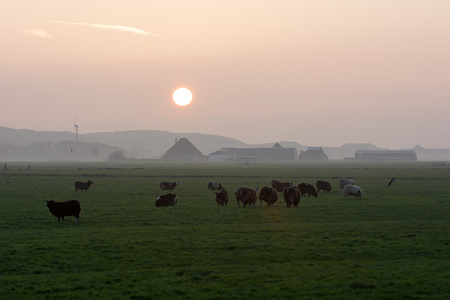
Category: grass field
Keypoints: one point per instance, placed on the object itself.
(394, 243)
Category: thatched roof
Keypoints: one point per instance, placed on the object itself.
(183, 150)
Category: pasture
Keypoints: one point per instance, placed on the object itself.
(394, 243)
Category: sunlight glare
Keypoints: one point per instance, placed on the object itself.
(182, 96)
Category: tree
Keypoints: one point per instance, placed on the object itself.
(116, 156)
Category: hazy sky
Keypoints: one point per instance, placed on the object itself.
(321, 73)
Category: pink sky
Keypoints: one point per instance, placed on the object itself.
(320, 73)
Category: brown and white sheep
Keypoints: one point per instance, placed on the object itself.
(168, 186)
(166, 200)
(213, 185)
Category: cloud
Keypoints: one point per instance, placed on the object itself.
(37, 32)
(112, 27)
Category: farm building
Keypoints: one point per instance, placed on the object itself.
(183, 150)
(313, 154)
(275, 153)
(385, 155)
(220, 156)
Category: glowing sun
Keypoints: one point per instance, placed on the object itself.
(182, 96)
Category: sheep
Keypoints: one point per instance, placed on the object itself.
(64, 208)
(222, 197)
(280, 186)
(306, 188)
(344, 182)
(84, 186)
(323, 185)
(165, 185)
(166, 200)
(292, 196)
(268, 194)
(213, 185)
(246, 195)
(352, 190)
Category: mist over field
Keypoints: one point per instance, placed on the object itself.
(30, 145)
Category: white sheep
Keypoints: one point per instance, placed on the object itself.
(344, 182)
(352, 190)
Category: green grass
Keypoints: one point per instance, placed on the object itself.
(394, 243)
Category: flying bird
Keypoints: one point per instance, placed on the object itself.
(392, 181)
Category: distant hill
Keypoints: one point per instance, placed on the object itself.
(22, 137)
(154, 143)
(25, 144)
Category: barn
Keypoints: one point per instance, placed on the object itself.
(275, 153)
(313, 154)
(385, 155)
(183, 150)
(221, 156)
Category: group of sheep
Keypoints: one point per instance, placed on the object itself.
(248, 196)
(61, 209)
(244, 195)
(291, 194)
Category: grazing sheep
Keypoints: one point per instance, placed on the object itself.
(352, 190)
(222, 198)
(268, 194)
(344, 182)
(246, 195)
(306, 188)
(213, 185)
(168, 185)
(280, 186)
(84, 186)
(292, 196)
(323, 185)
(166, 200)
(64, 208)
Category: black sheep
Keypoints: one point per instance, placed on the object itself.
(84, 186)
(64, 208)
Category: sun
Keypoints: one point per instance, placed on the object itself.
(182, 96)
